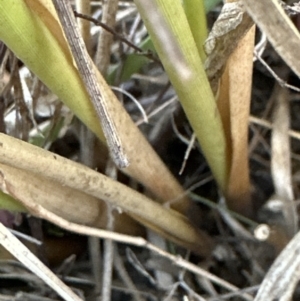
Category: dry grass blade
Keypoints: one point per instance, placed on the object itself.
(69, 203)
(84, 7)
(239, 69)
(283, 276)
(24, 255)
(278, 28)
(59, 199)
(102, 58)
(88, 75)
(281, 162)
(168, 222)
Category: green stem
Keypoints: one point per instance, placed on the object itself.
(196, 16)
(190, 83)
(9, 203)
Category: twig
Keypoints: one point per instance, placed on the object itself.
(26, 237)
(135, 101)
(87, 156)
(187, 153)
(127, 239)
(95, 255)
(108, 259)
(109, 245)
(190, 291)
(41, 212)
(87, 73)
(158, 109)
(147, 54)
(132, 258)
(268, 125)
(276, 77)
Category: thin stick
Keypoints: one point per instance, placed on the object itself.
(148, 54)
(187, 153)
(85, 67)
(109, 245)
(87, 156)
(272, 72)
(268, 125)
(108, 259)
(36, 209)
(40, 211)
